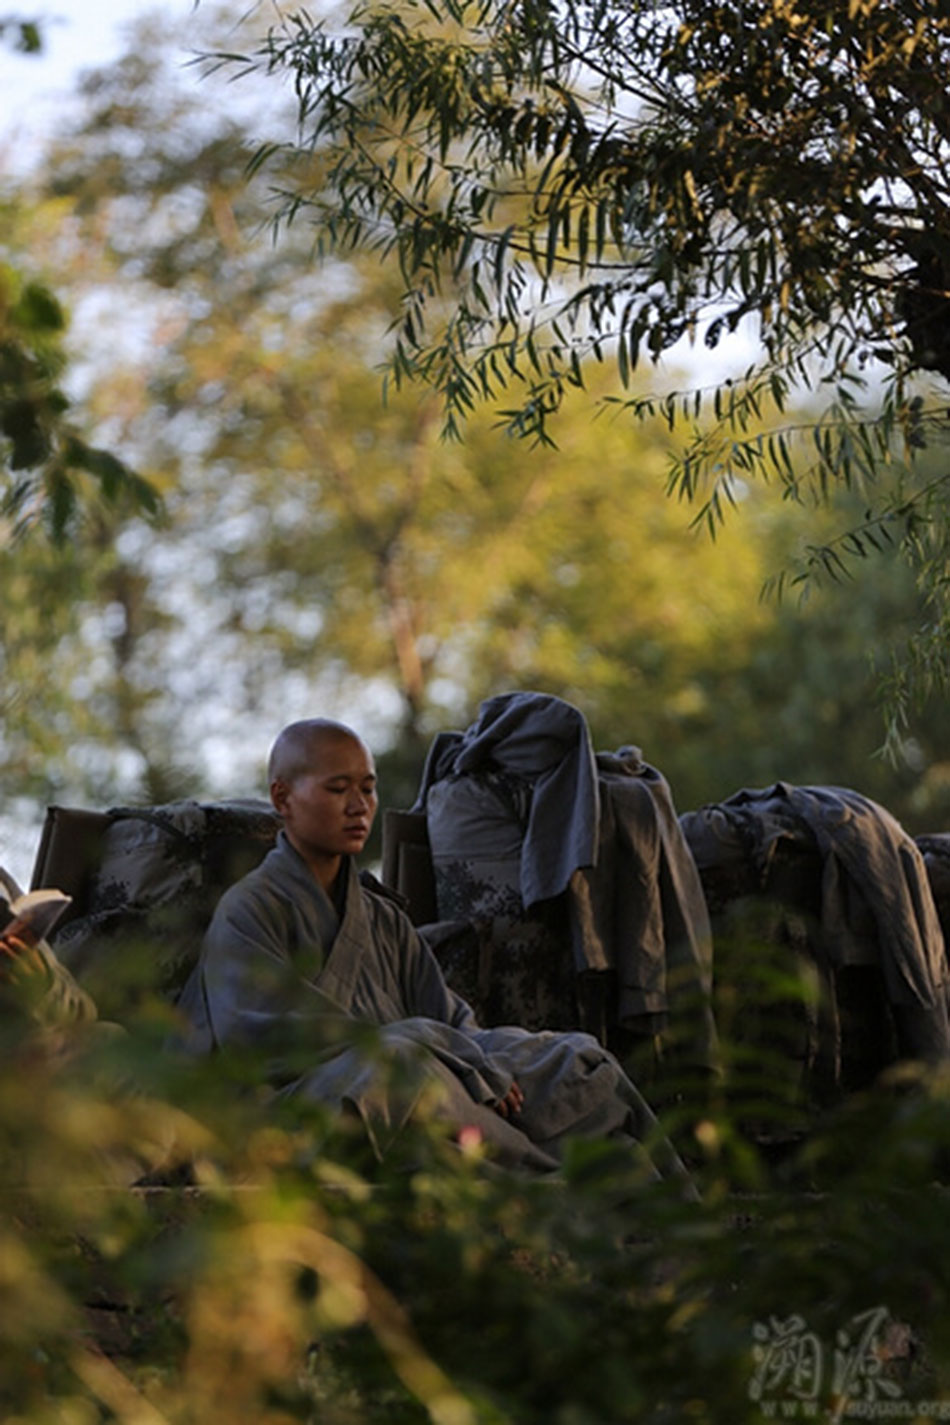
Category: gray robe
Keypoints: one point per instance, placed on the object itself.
(599, 829)
(281, 970)
(877, 907)
(545, 741)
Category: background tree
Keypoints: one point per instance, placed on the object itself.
(616, 180)
(322, 547)
(46, 464)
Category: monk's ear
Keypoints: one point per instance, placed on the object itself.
(279, 792)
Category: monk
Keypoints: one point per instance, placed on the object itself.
(304, 954)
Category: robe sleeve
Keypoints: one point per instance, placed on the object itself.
(428, 991)
(443, 1021)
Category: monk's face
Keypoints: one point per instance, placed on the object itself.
(328, 810)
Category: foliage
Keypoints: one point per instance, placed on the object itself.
(266, 1269)
(72, 613)
(642, 174)
(21, 34)
(45, 458)
(561, 181)
(47, 466)
(325, 542)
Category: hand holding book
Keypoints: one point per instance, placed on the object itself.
(27, 919)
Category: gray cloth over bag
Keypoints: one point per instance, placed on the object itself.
(534, 831)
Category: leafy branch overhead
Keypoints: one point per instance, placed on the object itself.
(595, 178)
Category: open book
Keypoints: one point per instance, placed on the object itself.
(32, 915)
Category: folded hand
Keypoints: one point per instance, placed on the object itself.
(512, 1102)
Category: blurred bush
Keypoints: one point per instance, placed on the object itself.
(176, 1248)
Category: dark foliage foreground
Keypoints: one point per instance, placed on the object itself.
(267, 1269)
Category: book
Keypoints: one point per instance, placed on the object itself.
(31, 915)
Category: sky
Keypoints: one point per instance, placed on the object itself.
(82, 32)
(77, 34)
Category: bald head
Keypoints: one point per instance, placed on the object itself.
(299, 746)
(323, 786)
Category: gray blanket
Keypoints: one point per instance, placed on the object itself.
(876, 903)
(599, 829)
(641, 910)
(544, 741)
(285, 971)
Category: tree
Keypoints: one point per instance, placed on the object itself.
(607, 179)
(21, 34)
(319, 540)
(639, 175)
(47, 466)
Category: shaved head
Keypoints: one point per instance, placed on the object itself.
(299, 744)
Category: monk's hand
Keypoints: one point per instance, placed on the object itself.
(19, 960)
(512, 1102)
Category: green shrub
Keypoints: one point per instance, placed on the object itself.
(267, 1269)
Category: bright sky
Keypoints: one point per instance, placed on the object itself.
(78, 34)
